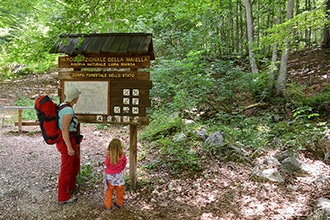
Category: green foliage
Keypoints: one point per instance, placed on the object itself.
(181, 84)
(177, 157)
(28, 114)
(316, 104)
(307, 20)
(299, 134)
(87, 175)
(197, 82)
(100, 126)
(304, 111)
(229, 82)
(162, 127)
(295, 92)
(25, 39)
(320, 101)
(261, 87)
(251, 132)
(29, 30)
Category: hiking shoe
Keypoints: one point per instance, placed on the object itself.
(75, 189)
(117, 205)
(69, 201)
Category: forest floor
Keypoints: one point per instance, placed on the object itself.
(224, 190)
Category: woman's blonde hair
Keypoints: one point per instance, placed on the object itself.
(115, 150)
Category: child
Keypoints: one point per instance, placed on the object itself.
(115, 163)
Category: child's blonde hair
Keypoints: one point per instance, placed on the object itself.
(115, 150)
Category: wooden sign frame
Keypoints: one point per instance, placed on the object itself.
(128, 90)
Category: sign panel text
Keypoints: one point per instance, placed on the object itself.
(104, 62)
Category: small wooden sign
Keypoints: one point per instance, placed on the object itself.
(99, 75)
(104, 61)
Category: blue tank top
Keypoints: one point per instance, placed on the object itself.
(67, 111)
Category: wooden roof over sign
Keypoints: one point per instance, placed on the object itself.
(105, 43)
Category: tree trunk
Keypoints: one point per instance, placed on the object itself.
(326, 32)
(281, 80)
(249, 24)
(273, 66)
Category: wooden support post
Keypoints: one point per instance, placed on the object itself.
(20, 120)
(133, 155)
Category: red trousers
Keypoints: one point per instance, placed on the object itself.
(70, 167)
(109, 193)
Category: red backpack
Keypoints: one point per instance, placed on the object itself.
(47, 113)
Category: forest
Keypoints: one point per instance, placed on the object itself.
(232, 82)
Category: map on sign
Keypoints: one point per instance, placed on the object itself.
(93, 98)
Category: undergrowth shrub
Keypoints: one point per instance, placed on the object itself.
(201, 83)
(176, 157)
(320, 102)
(304, 97)
(162, 126)
(181, 84)
(252, 132)
(88, 175)
(303, 133)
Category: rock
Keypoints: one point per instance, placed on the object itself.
(277, 143)
(239, 150)
(215, 139)
(291, 165)
(322, 181)
(292, 187)
(272, 162)
(324, 145)
(188, 121)
(155, 192)
(321, 209)
(272, 175)
(17, 68)
(179, 137)
(285, 154)
(202, 134)
(174, 115)
(97, 133)
(164, 204)
(34, 199)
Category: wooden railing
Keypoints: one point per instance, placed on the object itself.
(20, 123)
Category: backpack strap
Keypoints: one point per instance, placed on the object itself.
(59, 107)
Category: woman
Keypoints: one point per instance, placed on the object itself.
(67, 146)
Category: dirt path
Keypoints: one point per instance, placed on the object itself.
(29, 179)
(29, 171)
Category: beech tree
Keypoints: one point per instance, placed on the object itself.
(249, 24)
(326, 30)
(273, 66)
(281, 80)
